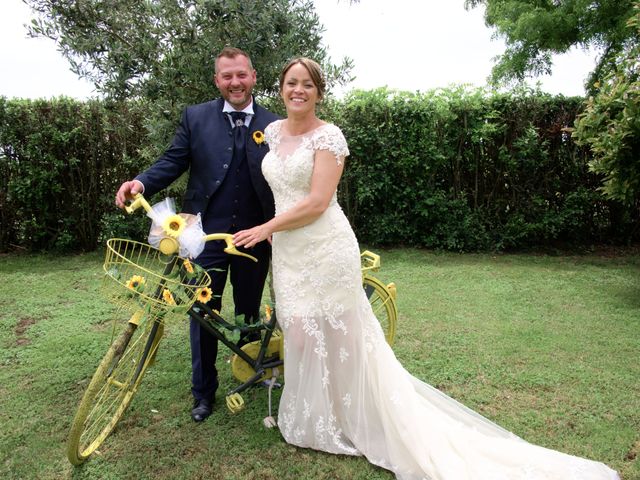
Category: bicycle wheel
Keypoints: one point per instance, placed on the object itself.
(113, 386)
(383, 306)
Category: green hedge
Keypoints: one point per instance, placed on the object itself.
(463, 169)
(60, 163)
(457, 169)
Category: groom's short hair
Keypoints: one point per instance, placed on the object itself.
(232, 52)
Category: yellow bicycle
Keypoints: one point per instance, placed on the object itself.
(152, 285)
(382, 297)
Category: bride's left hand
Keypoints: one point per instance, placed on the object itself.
(252, 236)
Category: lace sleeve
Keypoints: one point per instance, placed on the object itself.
(331, 138)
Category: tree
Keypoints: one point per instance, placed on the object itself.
(163, 51)
(534, 30)
(610, 124)
(159, 48)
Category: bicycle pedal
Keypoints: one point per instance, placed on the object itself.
(235, 403)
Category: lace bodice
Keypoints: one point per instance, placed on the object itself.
(289, 164)
(321, 254)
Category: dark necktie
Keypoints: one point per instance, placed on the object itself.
(239, 133)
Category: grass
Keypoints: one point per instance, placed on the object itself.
(546, 346)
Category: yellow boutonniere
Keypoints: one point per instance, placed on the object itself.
(258, 137)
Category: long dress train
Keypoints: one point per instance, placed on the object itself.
(344, 391)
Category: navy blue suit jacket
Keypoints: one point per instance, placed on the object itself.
(203, 143)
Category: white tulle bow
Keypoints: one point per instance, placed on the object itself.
(190, 238)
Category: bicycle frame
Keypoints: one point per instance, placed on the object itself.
(214, 323)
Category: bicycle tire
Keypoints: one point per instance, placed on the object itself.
(383, 306)
(112, 387)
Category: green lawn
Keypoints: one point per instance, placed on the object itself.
(546, 346)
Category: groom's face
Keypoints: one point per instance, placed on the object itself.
(235, 79)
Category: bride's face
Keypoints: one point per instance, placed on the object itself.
(299, 93)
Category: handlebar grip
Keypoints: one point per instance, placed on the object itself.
(137, 202)
(234, 251)
(230, 248)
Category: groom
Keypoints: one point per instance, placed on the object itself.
(220, 143)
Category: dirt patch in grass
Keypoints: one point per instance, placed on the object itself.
(633, 453)
(21, 329)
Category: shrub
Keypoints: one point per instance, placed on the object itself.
(60, 163)
(457, 169)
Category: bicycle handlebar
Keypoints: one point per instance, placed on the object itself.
(137, 202)
(370, 261)
(230, 248)
(169, 245)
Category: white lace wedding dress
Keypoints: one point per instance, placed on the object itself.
(344, 390)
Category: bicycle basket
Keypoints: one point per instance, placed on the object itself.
(137, 274)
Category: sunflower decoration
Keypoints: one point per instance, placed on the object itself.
(173, 225)
(173, 232)
(187, 266)
(258, 137)
(191, 270)
(168, 296)
(204, 295)
(136, 283)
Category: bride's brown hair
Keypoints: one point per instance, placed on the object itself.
(314, 69)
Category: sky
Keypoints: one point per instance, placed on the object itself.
(413, 45)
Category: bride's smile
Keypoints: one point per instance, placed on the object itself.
(299, 93)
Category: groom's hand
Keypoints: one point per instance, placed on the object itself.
(127, 191)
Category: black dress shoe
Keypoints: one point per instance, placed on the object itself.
(201, 409)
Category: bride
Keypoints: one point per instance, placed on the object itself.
(344, 391)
